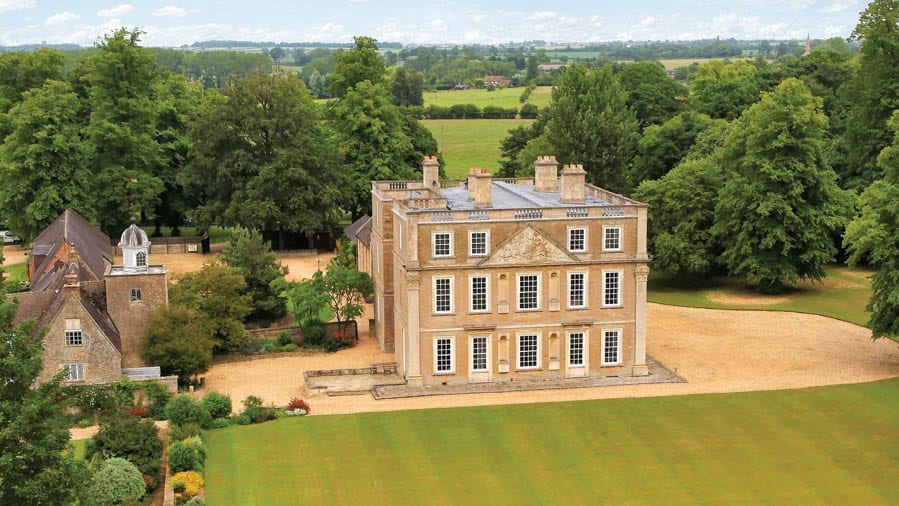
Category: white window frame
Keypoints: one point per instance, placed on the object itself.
(434, 244)
(518, 290)
(486, 353)
(605, 231)
(77, 368)
(73, 325)
(605, 338)
(451, 293)
(137, 295)
(583, 334)
(452, 355)
(518, 351)
(140, 259)
(471, 307)
(471, 234)
(605, 274)
(568, 242)
(584, 285)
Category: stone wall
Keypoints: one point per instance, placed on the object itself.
(131, 317)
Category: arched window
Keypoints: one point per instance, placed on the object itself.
(141, 259)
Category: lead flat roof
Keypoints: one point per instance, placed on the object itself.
(515, 196)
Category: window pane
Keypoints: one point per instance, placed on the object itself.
(577, 239)
(527, 292)
(74, 338)
(478, 243)
(479, 354)
(441, 245)
(442, 295)
(135, 294)
(611, 289)
(479, 293)
(610, 347)
(576, 289)
(444, 355)
(576, 348)
(527, 351)
(612, 239)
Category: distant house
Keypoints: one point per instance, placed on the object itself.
(498, 81)
(95, 313)
(546, 68)
(360, 233)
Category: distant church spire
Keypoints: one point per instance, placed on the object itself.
(808, 45)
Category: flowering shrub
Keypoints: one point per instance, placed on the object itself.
(138, 411)
(298, 403)
(192, 481)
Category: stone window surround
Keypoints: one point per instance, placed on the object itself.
(605, 237)
(471, 307)
(486, 352)
(450, 342)
(584, 297)
(486, 251)
(606, 334)
(450, 294)
(73, 334)
(434, 244)
(584, 240)
(136, 295)
(518, 291)
(518, 354)
(77, 368)
(583, 348)
(605, 282)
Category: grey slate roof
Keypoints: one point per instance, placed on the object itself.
(93, 246)
(514, 196)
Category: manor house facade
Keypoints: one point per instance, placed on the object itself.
(492, 280)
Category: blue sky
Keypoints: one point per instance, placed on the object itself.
(176, 22)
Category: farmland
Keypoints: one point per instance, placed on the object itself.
(467, 143)
(821, 445)
(503, 97)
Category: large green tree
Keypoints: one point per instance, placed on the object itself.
(372, 142)
(652, 95)
(179, 341)
(873, 238)
(874, 93)
(361, 63)
(724, 90)
(121, 136)
(253, 257)
(21, 71)
(261, 158)
(592, 124)
(43, 168)
(34, 465)
(780, 206)
(662, 147)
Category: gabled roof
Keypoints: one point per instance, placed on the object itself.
(352, 231)
(69, 229)
(44, 306)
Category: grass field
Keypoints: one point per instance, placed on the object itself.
(833, 445)
(467, 143)
(503, 97)
(16, 272)
(676, 63)
(843, 295)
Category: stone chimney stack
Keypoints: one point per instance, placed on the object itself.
(430, 171)
(480, 187)
(545, 169)
(573, 184)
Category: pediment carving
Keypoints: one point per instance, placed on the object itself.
(528, 247)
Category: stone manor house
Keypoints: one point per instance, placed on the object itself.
(95, 313)
(497, 280)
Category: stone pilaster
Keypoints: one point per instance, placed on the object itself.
(412, 347)
(642, 276)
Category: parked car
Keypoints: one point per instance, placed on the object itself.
(9, 237)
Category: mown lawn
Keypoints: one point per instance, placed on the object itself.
(502, 97)
(833, 445)
(843, 295)
(467, 143)
(16, 272)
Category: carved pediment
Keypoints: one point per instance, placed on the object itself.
(528, 247)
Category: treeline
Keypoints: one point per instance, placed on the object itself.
(118, 135)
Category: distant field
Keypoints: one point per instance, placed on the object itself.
(503, 97)
(825, 445)
(676, 63)
(467, 143)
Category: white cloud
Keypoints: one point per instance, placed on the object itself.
(170, 10)
(14, 5)
(358, 1)
(118, 10)
(543, 16)
(837, 7)
(61, 18)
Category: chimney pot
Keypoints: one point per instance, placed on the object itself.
(573, 184)
(430, 171)
(545, 169)
(480, 187)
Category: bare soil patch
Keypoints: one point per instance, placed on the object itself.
(714, 350)
(14, 254)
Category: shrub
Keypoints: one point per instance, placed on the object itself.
(284, 338)
(130, 438)
(290, 347)
(138, 411)
(268, 346)
(182, 409)
(183, 458)
(221, 423)
(157, 396)
(179, 432)
(192, 481)
(117, 482)
(243, 420)
(218, 405)
(298, 403)
(529, 111)
(178, 487)
(314, 332)
(195, 501)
